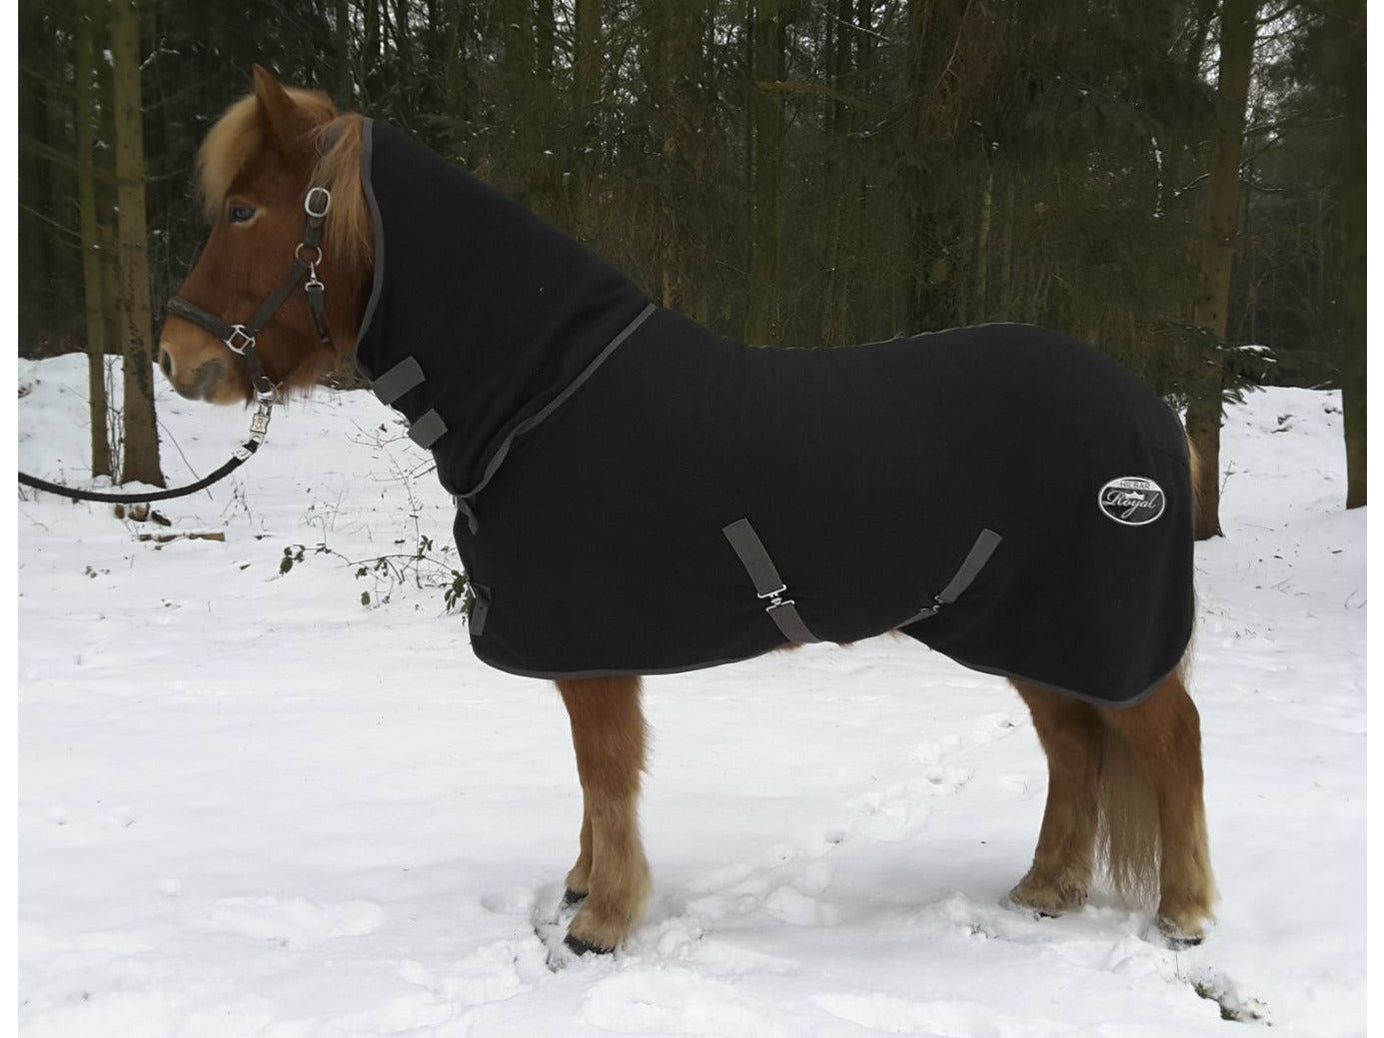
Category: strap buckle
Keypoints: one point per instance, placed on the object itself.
(776, 598)
(323, 198)
(239, 340)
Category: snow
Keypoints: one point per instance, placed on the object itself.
(251, 806)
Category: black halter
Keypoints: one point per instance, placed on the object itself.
(240, 338)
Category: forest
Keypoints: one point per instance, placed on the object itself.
(1178, 182)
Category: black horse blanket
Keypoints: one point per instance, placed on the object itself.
(637, 495)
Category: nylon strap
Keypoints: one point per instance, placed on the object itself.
(971, 566)
(764, 575)
(398, 380)
(428, 429)
(179, 307)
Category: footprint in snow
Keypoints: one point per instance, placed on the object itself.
(670, 1000)
(491, 973)
(950, 1019)
(294, 921)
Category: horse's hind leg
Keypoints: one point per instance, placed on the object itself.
(1070, 733)
(608, 735)
(1163, 736)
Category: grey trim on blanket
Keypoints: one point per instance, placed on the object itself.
(464, 501)
(367, 154)
(1093, 700)
(578, 675)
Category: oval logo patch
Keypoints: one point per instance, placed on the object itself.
(1132, 500)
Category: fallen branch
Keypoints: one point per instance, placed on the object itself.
(164, 538)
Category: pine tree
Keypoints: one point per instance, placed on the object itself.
(141, 434)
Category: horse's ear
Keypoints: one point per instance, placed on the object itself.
(282, 119)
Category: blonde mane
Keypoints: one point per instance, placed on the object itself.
(239, 135)
(349, 233)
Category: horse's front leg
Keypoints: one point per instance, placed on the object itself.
(611, 876)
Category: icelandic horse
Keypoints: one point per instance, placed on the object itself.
(1124, 784)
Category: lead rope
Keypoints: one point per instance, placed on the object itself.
(240, 340)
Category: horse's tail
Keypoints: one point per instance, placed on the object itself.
(1127, 838)
(1194, 460)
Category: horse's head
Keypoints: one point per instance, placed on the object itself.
(257, 165)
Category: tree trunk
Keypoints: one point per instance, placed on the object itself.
(341, 39)
(91, 244)
(586, 95)
(545, 37)
(1352, 294)
(519, 42)
(33, 180)
(141, 462)
(368, 76)
(980, 307)
(1220, 228)
(763, 325)
(934, 28)
(834, 328)
(682, 95)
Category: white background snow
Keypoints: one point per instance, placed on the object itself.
(250, 805)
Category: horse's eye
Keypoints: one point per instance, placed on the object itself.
(239, 213)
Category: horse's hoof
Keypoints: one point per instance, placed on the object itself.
(571, 897)
(1175, 937)
(1028, 910)
(1045, 908)
(580, 947)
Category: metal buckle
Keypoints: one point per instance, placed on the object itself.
(776, 598)
(245, 340)
(324, 195)
(259, 424)
(298, 255)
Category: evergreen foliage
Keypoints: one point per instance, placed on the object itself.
(807, 172)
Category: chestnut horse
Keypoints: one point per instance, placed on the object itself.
(1124, 785)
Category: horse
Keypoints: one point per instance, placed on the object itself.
(286, 181)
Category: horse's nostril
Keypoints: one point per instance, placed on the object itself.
(166, 362)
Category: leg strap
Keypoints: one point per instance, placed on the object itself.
(764, 575)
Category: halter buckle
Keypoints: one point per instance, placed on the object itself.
(239, 340)
(324, 198)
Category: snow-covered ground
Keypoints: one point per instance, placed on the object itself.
(250, 805)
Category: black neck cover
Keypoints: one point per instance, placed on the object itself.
(500, 311)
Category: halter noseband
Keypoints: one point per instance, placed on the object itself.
(240, 338)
